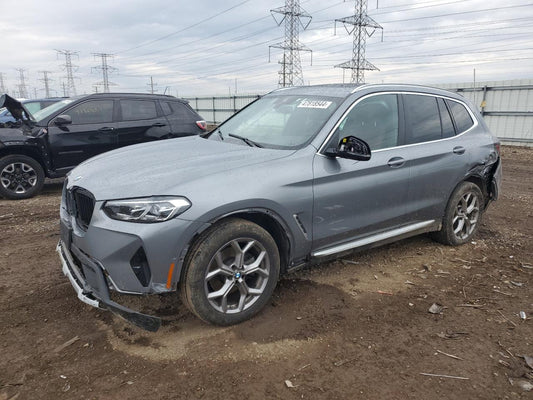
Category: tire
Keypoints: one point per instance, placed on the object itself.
(463, 215)
(21, 177)
(230, 272)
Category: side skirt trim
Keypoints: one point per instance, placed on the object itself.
(373, 239)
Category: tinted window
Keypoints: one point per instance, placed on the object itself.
(92, 112)
(423, 118)
(462, 118)
(138, 109)
(374, 119)
(180, 110)
(447, 124)
(166, 108)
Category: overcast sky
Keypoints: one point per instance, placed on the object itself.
(209, 47)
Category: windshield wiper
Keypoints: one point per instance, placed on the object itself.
(249, 142)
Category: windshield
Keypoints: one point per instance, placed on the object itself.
(47, 111)
(278, 121)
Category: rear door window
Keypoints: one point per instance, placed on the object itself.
(423, 118)
(166, 108)
(461, 116)
(134, 110)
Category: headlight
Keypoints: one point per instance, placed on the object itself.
(151, 209)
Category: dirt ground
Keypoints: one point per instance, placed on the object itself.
(356, 328)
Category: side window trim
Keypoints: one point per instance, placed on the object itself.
(401, 122)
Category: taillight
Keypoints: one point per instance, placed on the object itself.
(497, 148)
(202, 125)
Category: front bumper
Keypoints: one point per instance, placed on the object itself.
(92, 288)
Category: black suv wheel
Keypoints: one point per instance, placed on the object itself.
(21, 177)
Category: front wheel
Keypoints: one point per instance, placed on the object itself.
(21, 177)
(463, 215)
(231, 272)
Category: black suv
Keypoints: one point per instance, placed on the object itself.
(52, 141)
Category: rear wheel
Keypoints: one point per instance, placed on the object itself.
(21, 177)
(231, 272)
(463, 215)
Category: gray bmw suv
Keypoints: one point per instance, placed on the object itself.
(301, 175)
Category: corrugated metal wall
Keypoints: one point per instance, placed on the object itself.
(217, 109)
(506, 106)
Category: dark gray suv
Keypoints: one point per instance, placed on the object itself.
(300, 175)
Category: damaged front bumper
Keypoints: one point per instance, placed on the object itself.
(91, 286)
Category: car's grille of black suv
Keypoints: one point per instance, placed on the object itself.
(83, 206)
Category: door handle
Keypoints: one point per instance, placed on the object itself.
(396, 162)
(106, 129)
(459, 150)
(159, 124)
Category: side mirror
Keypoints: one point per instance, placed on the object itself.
(352, 148)
(61, 120)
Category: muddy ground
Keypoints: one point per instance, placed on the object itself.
(358, 328)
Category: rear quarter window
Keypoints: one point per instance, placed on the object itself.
(182, 111)
(448, 129)
(462, 118)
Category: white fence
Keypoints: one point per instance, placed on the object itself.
(506, 106)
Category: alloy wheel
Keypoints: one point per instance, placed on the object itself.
(466, 215)
(18, 177)
(237, 275)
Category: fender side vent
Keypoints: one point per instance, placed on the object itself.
(139, 265)
(300, 225)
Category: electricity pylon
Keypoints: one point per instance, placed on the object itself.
(359, 25)
(294, 17)
(106, 69)
(69, 88)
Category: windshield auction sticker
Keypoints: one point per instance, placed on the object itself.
(314, 104)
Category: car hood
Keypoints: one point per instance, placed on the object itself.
(165, 167)
(16, 108)
(12, 135)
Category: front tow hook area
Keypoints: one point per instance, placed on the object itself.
(101, 299)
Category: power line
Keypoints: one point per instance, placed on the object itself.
(184, 29)
(458, 13)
